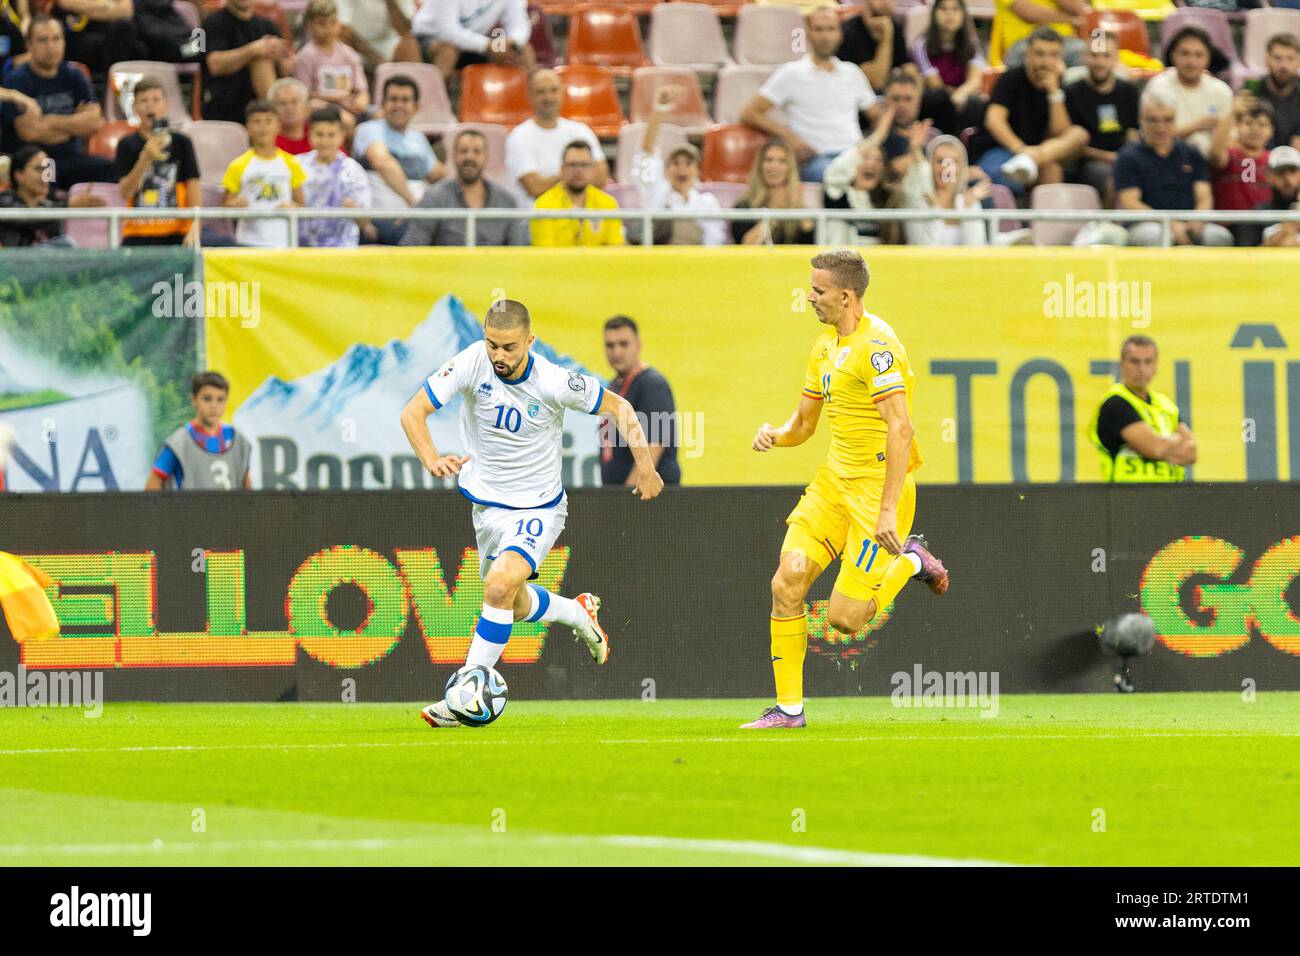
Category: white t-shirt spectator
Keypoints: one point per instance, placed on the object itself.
(532, 149)
(657, 193)
(369, 21)
(822, 106)
(1209, 97)
(468, 23)
(267, 183)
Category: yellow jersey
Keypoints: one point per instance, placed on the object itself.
(850, 375)
(576, 232)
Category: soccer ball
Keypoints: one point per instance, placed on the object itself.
(476, 695)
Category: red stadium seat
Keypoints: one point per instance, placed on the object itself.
(991, 78)
(543, 38)
(494, 94)
(608, 35)
(639, 7)
(690, 112)
(1125, 24)
(103, 142)
(589, 96)
(729, 153)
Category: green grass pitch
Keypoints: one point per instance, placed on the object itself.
(1181, 779)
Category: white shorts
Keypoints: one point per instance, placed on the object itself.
(532, 532)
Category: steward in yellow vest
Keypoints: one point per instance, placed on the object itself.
(1136, 430)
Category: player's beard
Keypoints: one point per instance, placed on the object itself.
(509, 373)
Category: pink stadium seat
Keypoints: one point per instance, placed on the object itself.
(188, 13)
(735, 86)
(211, 197)
(813, 197)
(93, 233)
(1213, 22)
(120, 97)
(1003, 198)
(688, 35)
(628, 195)
(915, 22)
(1060, 196)
(1260, 26)
(629, 142)
(690, 114)
(765, 35)
(496, 144)
(216, 143)
(727, 193)
(434, 114)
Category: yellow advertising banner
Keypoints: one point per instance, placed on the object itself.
(1012, 350)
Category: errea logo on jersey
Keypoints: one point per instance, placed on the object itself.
(485, 388)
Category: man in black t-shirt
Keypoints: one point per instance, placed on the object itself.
(650, 395)
(158, 170)
(1028, 136)
(1107, 107)
(875, 42)
(246, 54)
(1280, 88)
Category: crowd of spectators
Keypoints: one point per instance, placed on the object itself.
(864, 120)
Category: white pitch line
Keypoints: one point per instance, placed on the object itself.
(790, 738)
(742, 848)
(478, 740)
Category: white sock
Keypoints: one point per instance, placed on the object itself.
(494, 622)
(916, 562)
(794, 710)
(557, 608)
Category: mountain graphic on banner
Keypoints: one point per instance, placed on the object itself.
(338, 427)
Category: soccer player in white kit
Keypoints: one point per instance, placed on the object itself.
(512, 428)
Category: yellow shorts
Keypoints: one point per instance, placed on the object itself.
(836, 517)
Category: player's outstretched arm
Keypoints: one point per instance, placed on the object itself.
(415, 418)
(798, 428)
(647, 483)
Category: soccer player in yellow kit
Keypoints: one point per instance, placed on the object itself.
(860, 504)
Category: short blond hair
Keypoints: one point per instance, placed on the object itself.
(320, 9)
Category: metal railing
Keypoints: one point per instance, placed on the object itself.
(993, 218)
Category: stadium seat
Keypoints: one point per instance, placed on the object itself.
(120, 96)
(494, 94)
(1260, 26)
(543, 38)
(216, 143)
(813, 196)
(608, 35)
(688, 35)
(93, 233)
(729, 153)
(991, 78)
(187, 13)
(629, 143)
(1126, 25)
(211, 195)
(271, 11)
(690, 113)
(1213, 22)
(726, 193)
(557, 8)
(496, 143)
(639, 7)
(1004, 198)
(1060, 196)
(628, 195)
(434, 114)
(103, 142)
(589, 96)
(734, 88)
(981, 9)
(765, 35)
(915, 22)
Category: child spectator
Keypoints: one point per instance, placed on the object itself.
(330, 68)
(158, 169)
(1239, 169)
(204, 454)
(334, 181)
(264, 177)
(671, 184)
(949, 57)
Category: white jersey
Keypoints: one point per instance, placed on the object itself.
(512, 431)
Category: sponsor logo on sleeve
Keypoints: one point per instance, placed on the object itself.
(882, 381)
